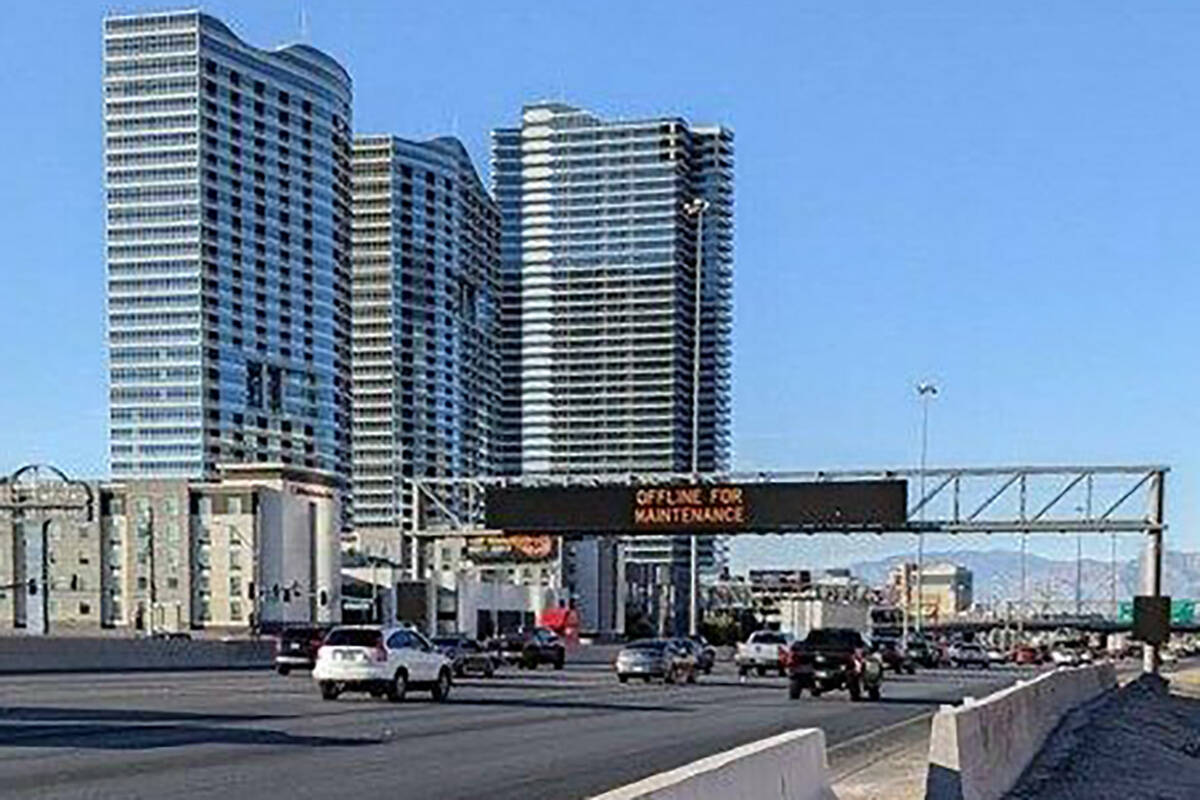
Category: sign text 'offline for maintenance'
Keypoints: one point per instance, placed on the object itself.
(718, 507)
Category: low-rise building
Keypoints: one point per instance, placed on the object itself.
(946, 590)
(254, 550)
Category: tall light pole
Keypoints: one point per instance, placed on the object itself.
(696, 208)
(926, 391)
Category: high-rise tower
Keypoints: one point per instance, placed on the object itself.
(227, 171)
(426, 322)
(598, 252)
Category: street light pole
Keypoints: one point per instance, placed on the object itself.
(696, 208)
(926, 390)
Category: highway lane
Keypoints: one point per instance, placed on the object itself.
(525, 735)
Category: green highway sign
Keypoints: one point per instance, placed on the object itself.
(1183, 612)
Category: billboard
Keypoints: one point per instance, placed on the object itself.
(689, 508)
(516, 549)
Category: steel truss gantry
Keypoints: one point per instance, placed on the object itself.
(959, 500)
(1024, 500)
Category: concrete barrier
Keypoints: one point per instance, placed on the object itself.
(36, 654)
(978, 750)
(790, 766)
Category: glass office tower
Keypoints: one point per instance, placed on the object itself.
(426, 322)
(598, 253)
(227, 170)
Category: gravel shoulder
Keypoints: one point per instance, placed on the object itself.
(1142, 741)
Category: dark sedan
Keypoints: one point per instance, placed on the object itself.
(894, 656)
(529, 648)
(466, 655)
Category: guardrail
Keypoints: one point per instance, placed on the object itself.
(977, 751)
(790, 766)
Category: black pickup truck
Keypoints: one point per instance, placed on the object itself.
(833, 658)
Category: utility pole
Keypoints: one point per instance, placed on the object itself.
(696, 208)
(926, 390)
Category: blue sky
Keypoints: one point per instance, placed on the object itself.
(1000, 196)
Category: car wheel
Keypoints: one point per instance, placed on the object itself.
(460, 670)
(398, 687)
(911, 669)
(330, 690)
(743, 671)
(708, 670)
(530, 661)
(762, 671)
(873, 692)
(815, 691)
(378, 691)
(560, 660)
(782, 672)
(283, 669)
(441, 687)
(794, 689)
(669, 677)
(488, 669)
(623, 678)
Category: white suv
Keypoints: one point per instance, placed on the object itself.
(382, 661)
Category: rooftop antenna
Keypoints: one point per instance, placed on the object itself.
(303, 24)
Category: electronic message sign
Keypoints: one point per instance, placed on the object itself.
(690, 508)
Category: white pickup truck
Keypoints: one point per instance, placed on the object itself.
(763, 651)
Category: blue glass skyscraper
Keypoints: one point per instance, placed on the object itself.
(227, 171)
(598, 265)
(426, 322)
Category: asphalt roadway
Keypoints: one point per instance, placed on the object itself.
(521, 735)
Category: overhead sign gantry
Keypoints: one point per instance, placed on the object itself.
(1023, 500)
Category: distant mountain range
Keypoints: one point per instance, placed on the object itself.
(1051, 582)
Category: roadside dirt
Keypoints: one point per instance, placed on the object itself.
(1143, 741)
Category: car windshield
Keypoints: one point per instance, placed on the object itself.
(767, 637)
(299, 634)
(447, 641)
(354, 637)
(835, 637)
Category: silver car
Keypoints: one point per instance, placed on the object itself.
(649, 659)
